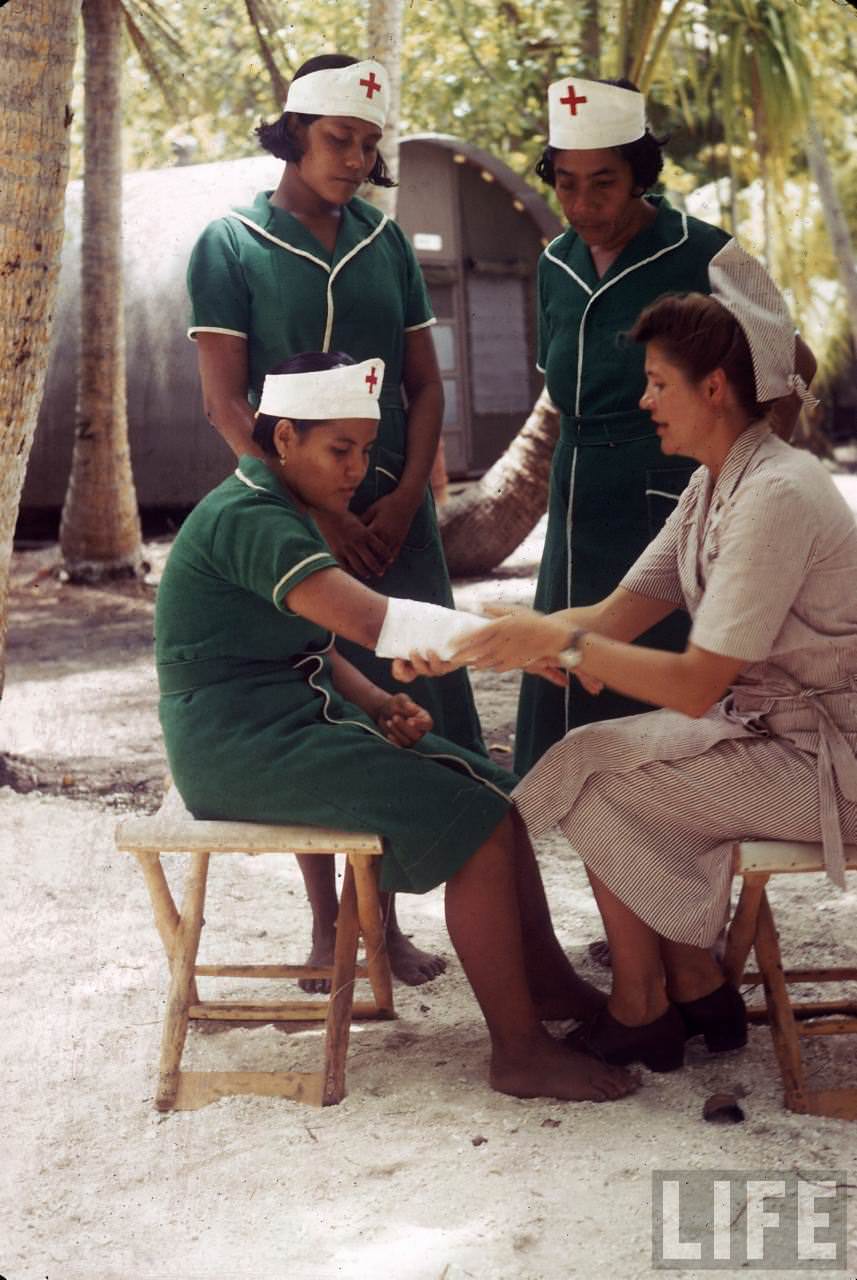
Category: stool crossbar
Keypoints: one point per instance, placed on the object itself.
(753, 928)
(173, 830)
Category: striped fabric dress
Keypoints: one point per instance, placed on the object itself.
(765, 562)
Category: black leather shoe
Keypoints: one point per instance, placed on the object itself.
(720, 1017)
(659, 1045)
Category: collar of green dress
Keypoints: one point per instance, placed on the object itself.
(360, 222)
(665, 232)
(255, 474)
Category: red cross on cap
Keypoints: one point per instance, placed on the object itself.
(371, 379)
(371, 85)
(571, 101)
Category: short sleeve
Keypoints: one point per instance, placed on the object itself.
(219, 296)
(268, 549)
(765, 547)
(655, 573)
(418, 308)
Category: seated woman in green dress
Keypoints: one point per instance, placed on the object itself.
(265, 721)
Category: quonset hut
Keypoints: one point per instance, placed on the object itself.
(478, 230)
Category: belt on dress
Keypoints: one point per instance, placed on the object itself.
(196, 673)
(605, 428)
(836, 760)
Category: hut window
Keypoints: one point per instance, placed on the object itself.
(498, 344)
(450, 402)
(444, 345)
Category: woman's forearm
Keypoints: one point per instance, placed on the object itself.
(690, 682)
(425, 411)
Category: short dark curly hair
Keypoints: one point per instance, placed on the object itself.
(645, 155)
(278, 138)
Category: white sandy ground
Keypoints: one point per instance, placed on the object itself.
(390, 1185)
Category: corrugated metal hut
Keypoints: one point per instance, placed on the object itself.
(478, 230)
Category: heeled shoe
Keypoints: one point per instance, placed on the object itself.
(721, 1017)
(658, 1045)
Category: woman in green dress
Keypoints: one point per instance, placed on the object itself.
(611, 488)
(264, 720)
(311, 266)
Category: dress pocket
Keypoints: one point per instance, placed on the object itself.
(664, 486)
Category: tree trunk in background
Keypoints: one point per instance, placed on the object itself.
(590, 40)
(100, 527)
(384, 42)
(37, 47)
(835, 220)
(486, 522)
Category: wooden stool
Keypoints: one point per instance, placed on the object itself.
(173, 830)
(753, 926)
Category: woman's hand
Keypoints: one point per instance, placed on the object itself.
(407, 669)
(402, 721)
(389, 519)
(358, 548)
(519, 638)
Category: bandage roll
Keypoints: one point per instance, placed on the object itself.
(412, 626)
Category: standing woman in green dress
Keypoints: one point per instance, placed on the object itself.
(611, 488)
(311, 266)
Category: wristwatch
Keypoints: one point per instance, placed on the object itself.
(572, 655)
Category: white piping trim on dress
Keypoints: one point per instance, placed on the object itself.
(425, 755)
(569, 523)
(328, 329)
(284, 244)
(662, 493)
(559, 263)
(251, 484)
(385, 472)
(412, 328)
(207, 328)
(316, 555)
(644, 262)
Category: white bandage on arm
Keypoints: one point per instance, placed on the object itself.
(412, 626)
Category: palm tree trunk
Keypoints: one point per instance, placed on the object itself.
(100, 527)
(37, 47)
(835, 220)
(384, 40)
(485, 523)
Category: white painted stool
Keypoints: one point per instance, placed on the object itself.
(753, 927)
(173, 830)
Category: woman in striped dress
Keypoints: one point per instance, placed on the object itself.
(758, 727)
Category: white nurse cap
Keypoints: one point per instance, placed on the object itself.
(360, 90)
(741, 284)
(585, 114)
(348, 391)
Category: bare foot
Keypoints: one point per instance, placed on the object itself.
(578, 999)
(320, 956)
(543, 1068)
(408, 963)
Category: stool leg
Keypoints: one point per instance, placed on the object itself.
(742, 930)
(780, 1014)
(372, 928)
(163, 906)
(184, 959)
(338, 1024)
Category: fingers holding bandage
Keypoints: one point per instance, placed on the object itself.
(519, 638)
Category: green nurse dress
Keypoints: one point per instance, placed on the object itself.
(259, 274)
(254, 728)
(611, 488)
